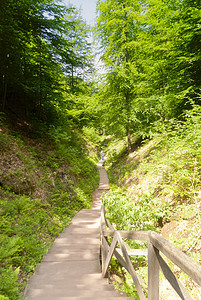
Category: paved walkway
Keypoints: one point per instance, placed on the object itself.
(71, 269)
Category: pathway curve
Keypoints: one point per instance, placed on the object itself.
(71, 269)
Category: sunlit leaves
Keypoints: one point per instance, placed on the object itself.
(161, 42)
(41, 41)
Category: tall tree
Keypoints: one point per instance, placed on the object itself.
(171, 55)
(39, 43)
(152, 51)
(117, 28)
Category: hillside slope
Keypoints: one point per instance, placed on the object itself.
(159, 188)
(150, 172)
(44, 181)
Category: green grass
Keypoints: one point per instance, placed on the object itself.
(60, 176)
(159, 186)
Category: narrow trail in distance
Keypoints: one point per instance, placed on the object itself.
(71, 269)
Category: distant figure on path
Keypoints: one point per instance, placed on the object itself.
(102, 155)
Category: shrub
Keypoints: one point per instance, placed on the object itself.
(129, 214)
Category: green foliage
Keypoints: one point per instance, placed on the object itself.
(28, 237)
(44, 51)
(91, 134)
(8, 284)
(118, 33)
(170, 162)
(125, 282)
(134, 214)
(9, 247)
(162, 178)
(62, 170)
(3, 297)
(151, 51)
(181, 167)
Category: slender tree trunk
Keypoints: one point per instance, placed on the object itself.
(128, 121)
(40, 77)
(72, 78)
(128, 107)
(127, 92)
(5, 85)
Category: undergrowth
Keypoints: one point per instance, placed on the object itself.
(128, 213)
(125, 213)
(159, 187)
(45, 179)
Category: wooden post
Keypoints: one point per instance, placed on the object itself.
(104, 253)
(109, 255)
(153, 273)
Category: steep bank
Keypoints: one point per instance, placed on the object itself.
(45, 178)
(159, 189)
(168, 175)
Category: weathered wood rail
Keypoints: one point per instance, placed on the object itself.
(156, 246)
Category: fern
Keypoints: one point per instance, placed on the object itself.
(9, 286)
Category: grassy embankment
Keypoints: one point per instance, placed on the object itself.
(46, 176)
(157, 187)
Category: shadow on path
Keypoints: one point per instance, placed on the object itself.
(71, 269)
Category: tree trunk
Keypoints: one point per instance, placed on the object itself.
(128, 121)
(72, 78)
(5, 85)
(127, 56)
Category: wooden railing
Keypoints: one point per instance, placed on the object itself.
(156, 246)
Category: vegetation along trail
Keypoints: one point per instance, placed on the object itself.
(72, 266)
(58, 111)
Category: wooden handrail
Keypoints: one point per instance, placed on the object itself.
(184, 262)
(156, 244)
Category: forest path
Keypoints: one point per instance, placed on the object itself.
(71, 269)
